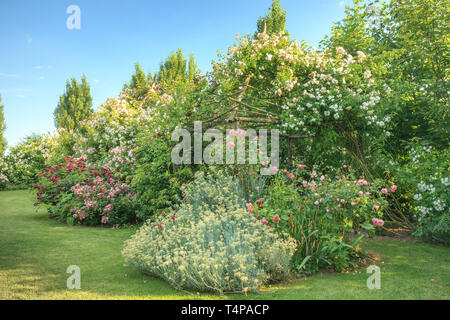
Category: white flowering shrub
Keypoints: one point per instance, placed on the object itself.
(22, 163)
(4, 167)
(213, 245)
(432, 193)
(331, 96)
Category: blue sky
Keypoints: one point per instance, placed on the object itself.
(38, 52)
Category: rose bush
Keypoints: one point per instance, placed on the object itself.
(77, 193)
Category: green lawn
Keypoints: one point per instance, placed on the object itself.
(35, 252)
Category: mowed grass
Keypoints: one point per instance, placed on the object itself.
(35, 252)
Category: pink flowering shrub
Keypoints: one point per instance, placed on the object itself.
(77, 193)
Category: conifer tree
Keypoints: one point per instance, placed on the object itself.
(74, 105)
(139, 81)
(176, 68)
(274, 21)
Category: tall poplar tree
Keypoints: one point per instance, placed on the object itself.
(176, 68)
(275, 20)
(74, 105)
(139, 81)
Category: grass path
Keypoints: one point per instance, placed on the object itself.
(35, 252)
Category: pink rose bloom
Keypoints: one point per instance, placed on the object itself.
(292, 176)
(105, 219)
(232, 131)
(88, 203)
(301, 166)
(305, 183)
(376, 207)
(81, 215)
(230, 144)
(274, 169)
(360, 193)
(250, 207)
(159, 225)
(276, 218)
(316, 203)
(384, 190)
(107, 207)
(264, 221)
(377, 222)
(393, 188)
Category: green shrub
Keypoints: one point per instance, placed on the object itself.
(211, 243)
(157, 180)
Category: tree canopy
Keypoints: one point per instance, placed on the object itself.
(74, 105)
(274, 21)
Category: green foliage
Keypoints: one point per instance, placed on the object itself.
(3, 142)
(176, 69)
(210, 243)
(140, 84)
(274, 21)
(157, 180)
(408, 39)
(74, 105)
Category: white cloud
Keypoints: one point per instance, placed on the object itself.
(9, 75)
(37, 67)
